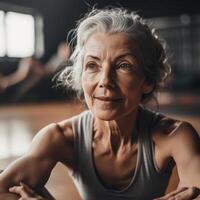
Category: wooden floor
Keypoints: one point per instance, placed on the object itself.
(18, 125)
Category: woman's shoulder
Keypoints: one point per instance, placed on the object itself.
(167, 126)
(171, 133)
(66, 126)
(56, 137)
(161, 124)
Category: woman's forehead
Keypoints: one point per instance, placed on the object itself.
(117, 43)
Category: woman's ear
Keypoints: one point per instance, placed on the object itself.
(147, 88)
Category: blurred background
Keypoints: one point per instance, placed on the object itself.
(33, 48)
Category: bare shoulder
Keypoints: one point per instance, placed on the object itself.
(175, 135)
(56, 140)
(66, 128)
(166, 126)
(185, 141)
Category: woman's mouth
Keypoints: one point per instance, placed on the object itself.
(108, 99)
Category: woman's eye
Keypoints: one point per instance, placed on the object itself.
(125, 66)
(92, 66)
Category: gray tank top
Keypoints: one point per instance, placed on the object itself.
(148, 181)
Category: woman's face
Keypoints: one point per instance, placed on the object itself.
(112, 78)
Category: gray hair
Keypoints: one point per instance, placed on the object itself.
(118, 20)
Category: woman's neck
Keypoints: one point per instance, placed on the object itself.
(117, 133)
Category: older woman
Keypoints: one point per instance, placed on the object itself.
(116, 149)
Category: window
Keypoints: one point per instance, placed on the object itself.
(21, 33)
(2, 35)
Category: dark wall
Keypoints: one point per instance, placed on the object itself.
(60, 15)
(154, 8)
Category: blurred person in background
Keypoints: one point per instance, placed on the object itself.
(31, 71)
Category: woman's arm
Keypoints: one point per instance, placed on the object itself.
(184, 145)
(48, 147)
(186, 153)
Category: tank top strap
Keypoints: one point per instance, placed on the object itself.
(81, 126)
(148, 146)
(148, 120)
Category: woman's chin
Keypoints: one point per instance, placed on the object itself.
(113, 113)
(106, 115)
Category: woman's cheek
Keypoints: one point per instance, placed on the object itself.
(129, 82)
(88, 83)
(89, 79)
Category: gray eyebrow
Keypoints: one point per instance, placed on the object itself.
(94, 57)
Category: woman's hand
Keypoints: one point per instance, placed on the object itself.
(182, 194)
(25, 192)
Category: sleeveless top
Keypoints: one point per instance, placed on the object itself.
(148, 181)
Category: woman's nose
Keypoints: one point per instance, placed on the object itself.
(107, 79)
